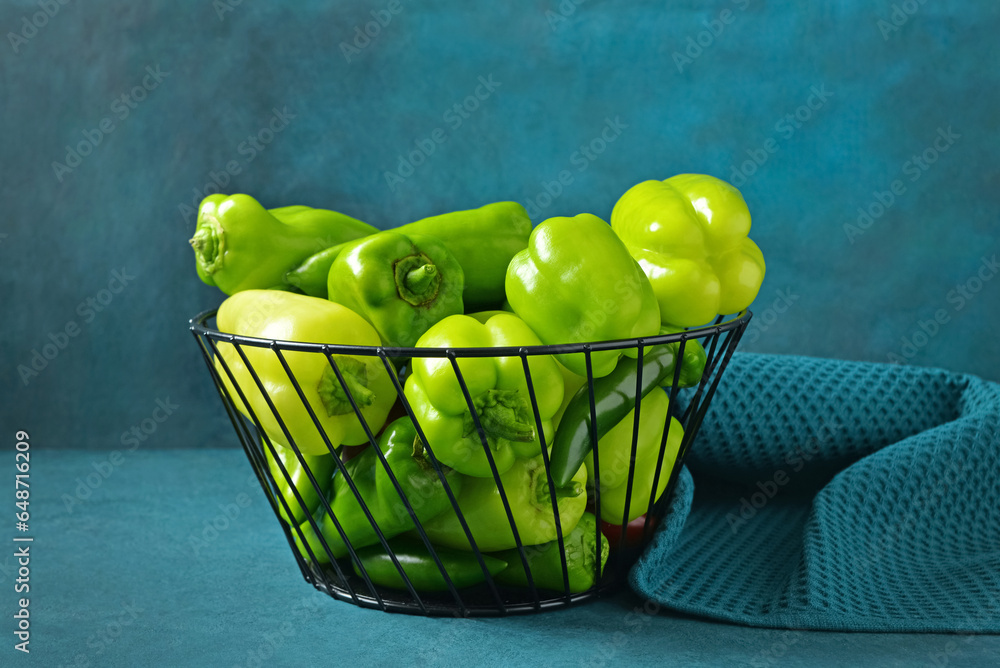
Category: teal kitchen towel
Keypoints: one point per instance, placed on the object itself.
(842, 496)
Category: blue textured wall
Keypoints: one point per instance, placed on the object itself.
(836, 101)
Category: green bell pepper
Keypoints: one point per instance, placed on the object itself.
(417, 478)
(295, 477)
(615, 459)
(401, 284)
(575, 283)
(497, 387)
(545, 563)
(423, 573)
(527, 490)
(614, 398)
(272, 314)
(240, 245)
(689, 234)
(483, 241)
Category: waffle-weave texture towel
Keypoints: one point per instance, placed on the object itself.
(838, 495)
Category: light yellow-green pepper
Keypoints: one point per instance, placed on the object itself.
(273, 314)
(689, 234)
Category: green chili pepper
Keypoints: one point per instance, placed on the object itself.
(402, 284)
(545, 563)
(312, 274)
(422, 571)
(240, 245)
(497, 387)
(575, 283)
(272, 314)
(692, 368)
(483, 241)
(689, 233)
(615, 452)
(419, 482)
(321, 467)
(614, 398)
(527, 490)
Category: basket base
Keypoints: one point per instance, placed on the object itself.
(479, 601)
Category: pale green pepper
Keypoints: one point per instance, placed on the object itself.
(272, 314)
(615, 459)
(689, 234)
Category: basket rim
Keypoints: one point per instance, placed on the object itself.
(198, 326)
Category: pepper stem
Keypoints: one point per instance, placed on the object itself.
(504, 414)
(540, 485)
(417, 279)
(208, 243)
(332, 394)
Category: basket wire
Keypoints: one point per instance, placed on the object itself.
(489, 599)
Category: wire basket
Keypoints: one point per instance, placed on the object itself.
(343, 576)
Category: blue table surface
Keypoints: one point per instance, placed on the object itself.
(124, 573)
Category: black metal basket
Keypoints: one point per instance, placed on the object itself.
(346, 579)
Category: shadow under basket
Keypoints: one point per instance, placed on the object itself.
(300, 491)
